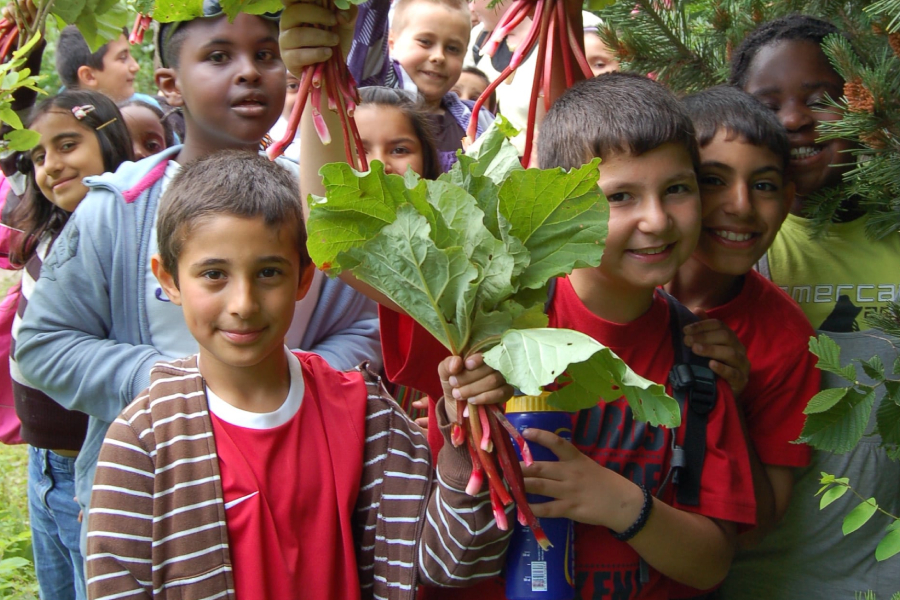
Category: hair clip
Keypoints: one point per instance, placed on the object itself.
(99, 127)
(81, 112)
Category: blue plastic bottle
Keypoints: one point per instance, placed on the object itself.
(532, 572)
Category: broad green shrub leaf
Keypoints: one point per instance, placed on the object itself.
(888, 419)
(588, 371)
(99, 28)
(873, 368)
(357, 206)
(859, 516)
(253, 7)
(892, 391)
(840, 428)
(491, 155)
(832, 494)
(829, 354)
(509, 315)
(434, 286)
(896, 369)
(69, 10)
(168, 11)
(889, 545)
(542, 206)
(825, 400)
(21, 140)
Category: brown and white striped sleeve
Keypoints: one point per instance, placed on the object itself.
(121, 517)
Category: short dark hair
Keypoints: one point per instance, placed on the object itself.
(491, 103)
(412, 107)
(612, 113)
(233, 183)
(170, 37)
(72, 53)
(728, 108)
(168, 129)
(793, 27)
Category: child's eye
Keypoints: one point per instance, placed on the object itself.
(400, 150)
(266, 55)
(269, 272)
(217, 57)
(711, 180)
(67, 146)
(423, 42)
(38, 159)
(213, 275)
(765, 186)
(619, 197)
(293, 87)
(153, 146)
(678, 188)
(454, 49)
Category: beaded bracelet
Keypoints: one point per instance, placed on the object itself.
(640, 521)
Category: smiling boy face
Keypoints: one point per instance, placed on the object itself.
(430, 42)
(654, 216)
(744, 201)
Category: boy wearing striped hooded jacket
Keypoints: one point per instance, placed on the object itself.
(248, 471)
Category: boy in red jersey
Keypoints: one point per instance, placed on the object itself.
(251, 471)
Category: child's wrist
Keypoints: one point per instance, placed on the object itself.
(624, 534)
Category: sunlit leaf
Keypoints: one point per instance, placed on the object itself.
(859, 516)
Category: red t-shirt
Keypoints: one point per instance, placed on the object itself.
(606, 568)
(290, 489)
(783, 373)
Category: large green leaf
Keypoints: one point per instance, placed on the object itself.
(21, 140)
(492, 155)
(889, 544)
(839, 428)
(888, 419)
(825, 400)
(560, 217)
(588, 371)
(434, 286)
(254, 7)
(509, 315)
(833, 494)
(829, 354)
(100, 28)
(356, 208)
(859, 516)
(69, 10)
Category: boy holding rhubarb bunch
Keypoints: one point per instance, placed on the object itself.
(255, 472)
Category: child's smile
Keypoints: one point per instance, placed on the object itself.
(793, 78)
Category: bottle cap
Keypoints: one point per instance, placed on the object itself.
(518, 404)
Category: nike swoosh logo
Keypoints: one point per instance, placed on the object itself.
(237, 501)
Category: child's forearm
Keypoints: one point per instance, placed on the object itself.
(461, 544)
(689, 548)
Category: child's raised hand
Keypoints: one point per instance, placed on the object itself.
(713, 339)
(309, 32)
(582, 489)
(22, 12)
(473, 381)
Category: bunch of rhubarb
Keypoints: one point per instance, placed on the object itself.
(141, 25)
(554, 35)
(9, 34)
(332, 82)
(470, 257)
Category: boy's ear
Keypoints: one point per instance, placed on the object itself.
(306, 278)
(167, 82)
(391, 40)
(166, 281)
(86, 77)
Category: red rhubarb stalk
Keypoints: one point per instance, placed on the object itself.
(476, 479)
(563, 34)
(277, 149)
(513, 472)
(524, 450)
(576, 50)
(486, 443)
(499, 511)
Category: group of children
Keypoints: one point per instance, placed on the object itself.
(272, 463)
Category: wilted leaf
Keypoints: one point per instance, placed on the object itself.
(829, 354)
(859, 516)
(588, 371)
(840, 428)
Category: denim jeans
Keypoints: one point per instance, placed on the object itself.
(55, 529)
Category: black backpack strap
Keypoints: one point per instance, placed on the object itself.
(694, 387)
(551, 291)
